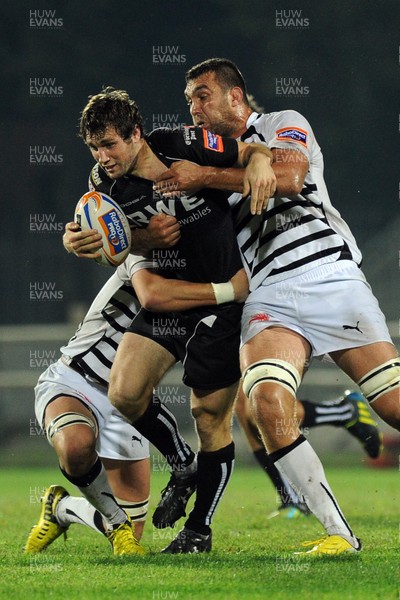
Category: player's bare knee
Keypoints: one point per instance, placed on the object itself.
(263, 404)
(117, 399)
(76, 455)
(213, 428)
(73, 436)
(208, 416)
(131, 408)
(270, 384)
(131, 402)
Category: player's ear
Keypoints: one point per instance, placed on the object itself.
(236, 96)
(137, 134)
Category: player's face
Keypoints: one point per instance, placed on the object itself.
(115, 154)
(210, 106)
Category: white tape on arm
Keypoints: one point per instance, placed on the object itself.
(223, 292)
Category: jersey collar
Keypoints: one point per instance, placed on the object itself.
(253, 117)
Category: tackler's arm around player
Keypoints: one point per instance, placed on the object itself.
(257, 179)
(290, 168)
(158, 294)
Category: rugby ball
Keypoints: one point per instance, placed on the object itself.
(98, 211)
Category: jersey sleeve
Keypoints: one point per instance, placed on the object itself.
(195, 144)
(291, 131)
(133, 264)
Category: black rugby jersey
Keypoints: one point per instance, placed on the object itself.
(207, 250)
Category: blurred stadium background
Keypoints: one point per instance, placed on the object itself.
(338, 64)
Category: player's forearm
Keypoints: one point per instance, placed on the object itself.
(230, 180)
(173, 295)
(157, 294)
(290, 168)
(247, 152)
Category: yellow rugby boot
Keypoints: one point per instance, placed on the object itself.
(123, 540)
(47, 529)
(331, 545)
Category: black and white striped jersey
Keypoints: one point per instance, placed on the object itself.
(96, 340)
(298, 233)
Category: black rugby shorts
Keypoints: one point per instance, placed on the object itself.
(206, 341)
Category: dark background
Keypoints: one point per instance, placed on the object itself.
(344, 55)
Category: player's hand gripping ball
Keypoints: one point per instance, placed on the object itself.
(98, 211)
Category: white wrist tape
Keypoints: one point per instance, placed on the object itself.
(223, 292)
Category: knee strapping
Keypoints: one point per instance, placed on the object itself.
(136, 510)
(381, 380)
(271, 370)
(67, 420)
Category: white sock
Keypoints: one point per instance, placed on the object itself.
(73, 509)
(95, 488)
(290, 491)
(302, 467)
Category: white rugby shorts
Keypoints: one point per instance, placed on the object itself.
(117, 439)
(331, 306)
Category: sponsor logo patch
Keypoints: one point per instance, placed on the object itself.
(293, 134)
(259, 317)
(212, 141)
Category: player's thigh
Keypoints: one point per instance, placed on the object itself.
(65, 404)
(356, 362)
(129, 479)
(139, 365)
(276, 343)
(71, 436)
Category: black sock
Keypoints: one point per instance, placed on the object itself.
(270, 469)
(159, 426)
(213, 472)
(87, 479)
(333, 412)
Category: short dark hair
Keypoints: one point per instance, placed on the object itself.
(227, 73)
(110, 108)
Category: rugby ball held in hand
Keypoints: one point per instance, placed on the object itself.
(98, 211)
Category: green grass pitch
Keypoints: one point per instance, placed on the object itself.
(252, 557)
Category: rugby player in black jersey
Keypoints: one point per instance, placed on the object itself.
(205, 340)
